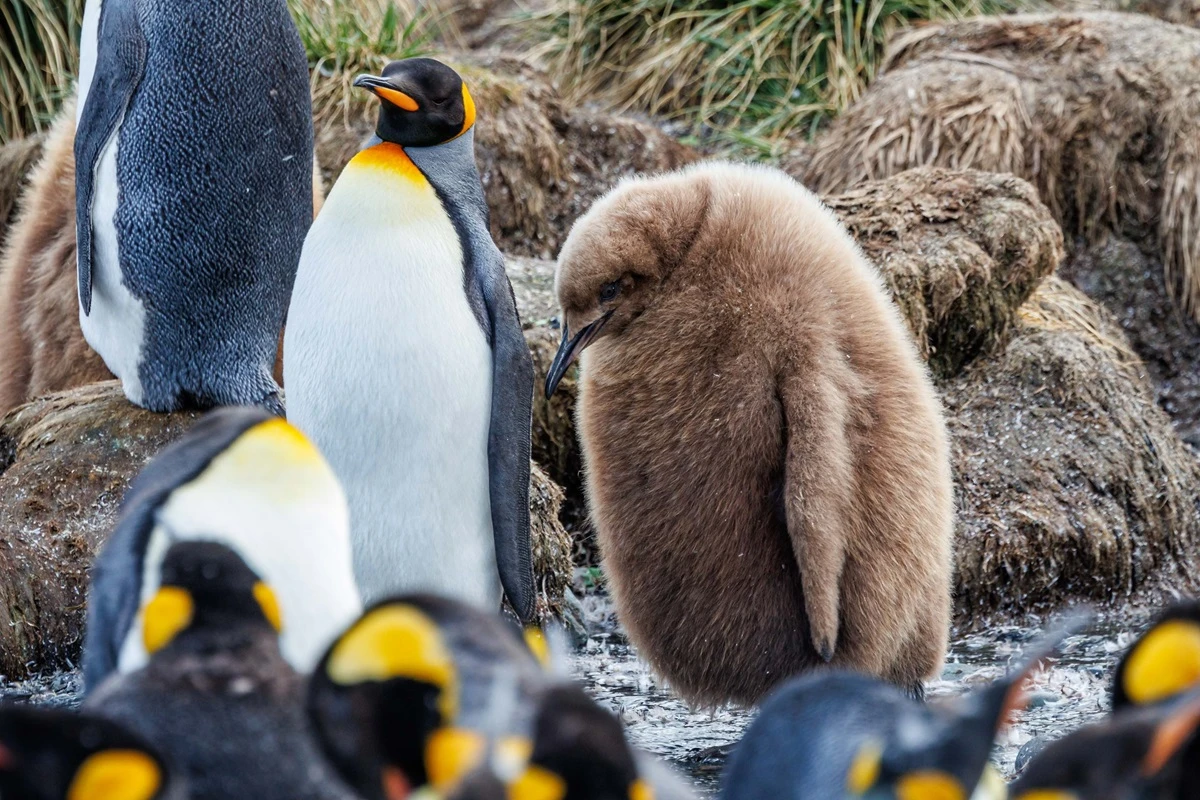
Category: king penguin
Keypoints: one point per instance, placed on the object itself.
(193, 156)
(404, 357)
(247, 479)
(217, 696)
(54, 754)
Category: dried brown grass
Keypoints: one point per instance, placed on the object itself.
(1100, 111)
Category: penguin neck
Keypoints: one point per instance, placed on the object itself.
(450, 168)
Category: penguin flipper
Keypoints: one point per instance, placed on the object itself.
(509, 434)
(115, 590)
(119, 65)
(817, 475)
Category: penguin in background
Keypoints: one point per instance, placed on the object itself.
(217, 695)
(247, 479)
(842, 734)
(1139, 753)
(417, 693)
(193, 178)
(404, 357)
(54, 754)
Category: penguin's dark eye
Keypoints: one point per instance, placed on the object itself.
(609, 291)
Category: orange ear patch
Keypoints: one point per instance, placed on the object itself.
(396, 98)
(1171, 734)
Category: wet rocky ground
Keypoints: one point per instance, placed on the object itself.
(1072, 692)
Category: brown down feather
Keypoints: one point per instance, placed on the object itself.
(766, 459)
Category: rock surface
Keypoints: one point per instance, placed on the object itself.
(65, 462)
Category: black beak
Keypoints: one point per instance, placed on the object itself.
(369, 82)
(569, 348)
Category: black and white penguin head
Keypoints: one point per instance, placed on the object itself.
(206, 586)
(423, 102)
(53, 754)
(253, 483)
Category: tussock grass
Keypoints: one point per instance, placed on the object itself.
(757, 70)
(39, 54)
(345, 38)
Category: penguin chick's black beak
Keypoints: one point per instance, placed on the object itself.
(383, 89)
(569, 349)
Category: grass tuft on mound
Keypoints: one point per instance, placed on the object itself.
(755, 71)
(39, 53)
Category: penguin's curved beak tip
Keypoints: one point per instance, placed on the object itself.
(365, 81)
(569, 349)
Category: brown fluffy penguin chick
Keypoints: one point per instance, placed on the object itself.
(766, 460)
(41, 345)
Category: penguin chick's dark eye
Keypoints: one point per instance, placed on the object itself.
(609, 291)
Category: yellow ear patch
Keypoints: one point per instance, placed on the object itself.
(167, 613)
(1047, 794)
(864, 770)
(269, 604)
(396, 641)
(536, 641)
(468, 110)
(450, 754)
(396, 98)
(929, 784)
(284, 439)
(640, 790)
(537, 783)
(116, 775)
(1165, 662)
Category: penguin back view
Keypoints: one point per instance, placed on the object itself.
(247, 479)
(54, 754)
(766, 460)
(194, 191)
(216, 694)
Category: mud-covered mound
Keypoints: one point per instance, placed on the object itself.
(959, 250)
(543, 164)
(1071, 481)
(1100, 111)
(65, 463)
(1129, 283)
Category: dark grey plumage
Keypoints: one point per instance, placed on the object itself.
(214, 164)
(219, 700)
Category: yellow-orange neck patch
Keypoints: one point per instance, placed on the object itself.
(389, 158)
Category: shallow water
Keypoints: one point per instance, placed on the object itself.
(1071, 692)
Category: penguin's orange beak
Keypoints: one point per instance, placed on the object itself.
(570, 348)
(385, 91)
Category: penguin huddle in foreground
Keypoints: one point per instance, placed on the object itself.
(766, 460)
(194, 158)
(1149, 747)
(404, 357)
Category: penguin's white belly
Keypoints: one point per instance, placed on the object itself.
(389, 372)
(88, 42)
(115, 328)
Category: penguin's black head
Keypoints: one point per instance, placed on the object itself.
(1164, 662)
(579, 752)
(206, 586)
(52, 754)
(382, 701)
(1138, 754)
(422, 102)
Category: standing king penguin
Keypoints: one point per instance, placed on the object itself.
(242, 478)
(193, 178)
(404, 357)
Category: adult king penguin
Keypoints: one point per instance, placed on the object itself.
(404, 357)
(242, 478)
(193, 178)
